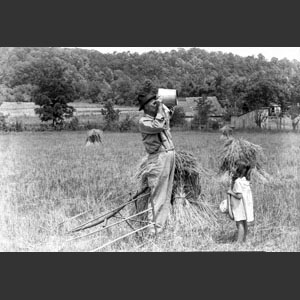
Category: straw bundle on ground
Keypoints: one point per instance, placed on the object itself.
(187, 186)
(235, 149)
(189, 214)
(226, 131)
(94, 136)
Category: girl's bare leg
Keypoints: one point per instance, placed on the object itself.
(246, 230)
(241, 231)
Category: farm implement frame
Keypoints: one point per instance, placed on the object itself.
(114, 213)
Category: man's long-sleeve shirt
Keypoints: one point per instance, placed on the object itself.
(156, 133)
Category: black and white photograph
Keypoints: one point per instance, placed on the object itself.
(149, 149)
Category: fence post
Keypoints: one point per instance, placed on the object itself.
(280, 123)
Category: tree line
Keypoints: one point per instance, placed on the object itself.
(57, 75)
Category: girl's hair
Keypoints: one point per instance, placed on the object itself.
(242, 170)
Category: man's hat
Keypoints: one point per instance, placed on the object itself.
(144, 99)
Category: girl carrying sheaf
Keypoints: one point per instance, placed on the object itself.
(240, 199)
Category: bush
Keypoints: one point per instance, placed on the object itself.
(195, 123)
(3, 123)
(45, 127)
(19, 126)
(10, 125)
(215, 125)
(73, 124)
(178, 118)
(128, 124)
(93, 125)
(112, 126)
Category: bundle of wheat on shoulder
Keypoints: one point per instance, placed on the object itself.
(239, 149)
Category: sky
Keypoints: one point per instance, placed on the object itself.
(268, 52)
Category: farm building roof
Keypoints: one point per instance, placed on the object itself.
(216, 107)
(274, 104)
(188, 104)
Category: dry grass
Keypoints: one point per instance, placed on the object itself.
(47, 177)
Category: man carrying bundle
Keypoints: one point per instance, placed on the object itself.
(155, 129)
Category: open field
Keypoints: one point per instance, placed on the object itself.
(86, 113)
(46, 177)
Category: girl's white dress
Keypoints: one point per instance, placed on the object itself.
(242, 209)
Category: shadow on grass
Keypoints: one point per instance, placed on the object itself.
(225, 237)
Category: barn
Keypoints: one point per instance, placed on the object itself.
(216, 114)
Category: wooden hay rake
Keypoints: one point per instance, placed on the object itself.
(114, 213)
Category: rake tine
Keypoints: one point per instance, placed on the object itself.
(128, 223)
(105, 217)
(135, 220)
(74, 217)
(112, 212)
(116, 223)
(78, 215)
(123, 236)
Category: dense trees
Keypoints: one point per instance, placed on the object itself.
(53, 88)
(111, 115)
(242, 83)
(203, 109)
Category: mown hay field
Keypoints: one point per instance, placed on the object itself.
(47, 177)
